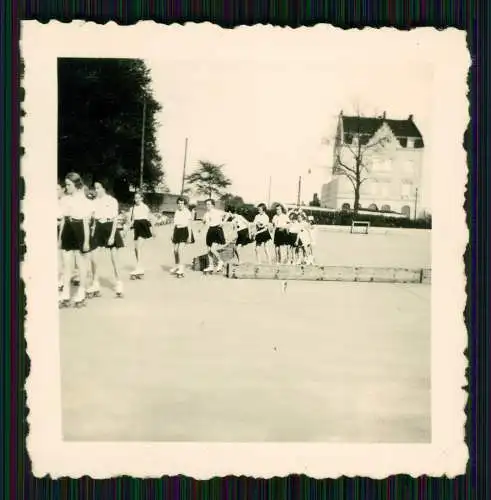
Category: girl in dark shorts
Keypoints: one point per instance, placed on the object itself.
(293, 237)
(142, 229)
(281, 237)
(74, 237)
(214, 235)
(105, 235)
(181, 235)
(262, 236)
(241, 227)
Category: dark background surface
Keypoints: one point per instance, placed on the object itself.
(17, 481)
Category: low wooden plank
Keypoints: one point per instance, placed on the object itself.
(325, 273)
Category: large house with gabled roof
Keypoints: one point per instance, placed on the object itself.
(393, 169)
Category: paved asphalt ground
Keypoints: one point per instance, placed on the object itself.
(214, 359)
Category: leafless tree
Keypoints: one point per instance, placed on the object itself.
(351, 155)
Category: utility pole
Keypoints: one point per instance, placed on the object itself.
(416, 204)
(184, 166)
(299, 190)
(269, 192)
(142, 152)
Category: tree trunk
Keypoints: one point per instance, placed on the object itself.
(356, 205)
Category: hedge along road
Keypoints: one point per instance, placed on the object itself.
(211, 359)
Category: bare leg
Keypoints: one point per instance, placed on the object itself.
(82, 262)
(258, 259)
(68, 263)
(115, 263)
(94, 264)
(178, 255)
(138, 252)
(236, 253)
(267, 251)
(177, 259)
(215, 254)
(210, 258)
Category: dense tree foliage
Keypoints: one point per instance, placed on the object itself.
(208, 180)
(100, 118)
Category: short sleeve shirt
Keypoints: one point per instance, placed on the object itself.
(281, 221)
(105, 207)
(261, 220)
(76, 206)
(141, 212)
(213, 218)
(182, 218)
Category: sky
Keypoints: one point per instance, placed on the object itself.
(265, 119)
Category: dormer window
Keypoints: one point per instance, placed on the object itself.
(403, 142)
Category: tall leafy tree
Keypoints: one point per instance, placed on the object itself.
(100, 118)
(209, 180)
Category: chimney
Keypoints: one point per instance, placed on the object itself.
(383, 115)
(410, 118)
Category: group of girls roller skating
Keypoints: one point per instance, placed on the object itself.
(88, 228)
(291, 235)
(91, 228)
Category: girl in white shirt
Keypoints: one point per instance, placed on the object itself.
(214, 235)
(242, 228)
(142, 229)
(281, 241)
(181, 235)
(262, 236)
(74, 237)
(105, 235)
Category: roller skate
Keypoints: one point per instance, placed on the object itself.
(219, 268)
(208, 270)
(64, 300)
(94, 290)
(174, 270)
(60, 285)
(118, 289)
(80, 299)
(137, 274)
(179, 272)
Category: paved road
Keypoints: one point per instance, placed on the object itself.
(212, 359)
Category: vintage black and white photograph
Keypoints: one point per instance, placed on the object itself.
(244, 241)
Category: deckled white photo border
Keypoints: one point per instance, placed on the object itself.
(446, 50)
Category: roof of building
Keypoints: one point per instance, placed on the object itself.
(369, 125)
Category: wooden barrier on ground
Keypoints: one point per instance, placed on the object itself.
(226, 253)
(329, 273)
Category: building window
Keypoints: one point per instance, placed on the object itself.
(406, 210)
(410, 143)
(405, 190)
(409, 168)
(385, 208)
(383, 189)
(418, 143)
(348, 138)
(403, 142)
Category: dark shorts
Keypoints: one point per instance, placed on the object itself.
(281, 237)
(180, 235)
(243, 237)
(292, 239)
(102, 233)
(141, 228)
(72, 235)
(262, 237)
(215, 234)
